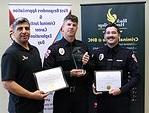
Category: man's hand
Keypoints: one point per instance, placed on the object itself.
(77, 72)
(94, 90)
(114, 91)
(38, 95)
(85, 58)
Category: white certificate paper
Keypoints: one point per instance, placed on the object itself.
(105, 80)
(50, 80)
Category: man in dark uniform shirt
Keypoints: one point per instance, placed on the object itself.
(63, 53)
(113, 57)
(19, 62)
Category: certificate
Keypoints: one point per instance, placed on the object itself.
(105, 80)
(50, 80)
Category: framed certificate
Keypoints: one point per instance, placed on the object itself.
(50, 80)
(105, 80)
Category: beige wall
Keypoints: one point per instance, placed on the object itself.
(5, 41)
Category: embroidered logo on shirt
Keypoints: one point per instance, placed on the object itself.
(47, 53)
(101, 56)
(61, 51)
(24, 57)
(134, 57)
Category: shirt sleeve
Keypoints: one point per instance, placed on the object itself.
(133, 71)
(8, 67)
(49, 58)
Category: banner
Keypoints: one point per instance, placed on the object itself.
(130, 17)
(46, 21)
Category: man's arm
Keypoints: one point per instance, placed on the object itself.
(133, 69)
(18, 90)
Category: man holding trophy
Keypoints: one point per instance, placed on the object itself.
(71, 55)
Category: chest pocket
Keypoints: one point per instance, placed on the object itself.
(63, 58)
(100, 65)
(118, 64)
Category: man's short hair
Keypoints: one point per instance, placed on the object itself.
(113, 25)
(71, 17)
(20, 20)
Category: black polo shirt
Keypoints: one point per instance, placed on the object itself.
(19, 64)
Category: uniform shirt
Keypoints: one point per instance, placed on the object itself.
(19, 64)
(61, 54)
(118, 58)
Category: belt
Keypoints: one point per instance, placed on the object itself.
(72, 89)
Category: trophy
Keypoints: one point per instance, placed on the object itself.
(77, 54)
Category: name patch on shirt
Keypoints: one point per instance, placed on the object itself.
(119, 60)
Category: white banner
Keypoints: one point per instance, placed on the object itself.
(46, 21)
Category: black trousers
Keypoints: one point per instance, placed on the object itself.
(113, 104)
(38, 112)
(71, 101)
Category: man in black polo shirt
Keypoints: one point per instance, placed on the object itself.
(18, 64)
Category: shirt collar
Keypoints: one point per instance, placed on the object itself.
(114, 49)
(22, 48)
(65, 42)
